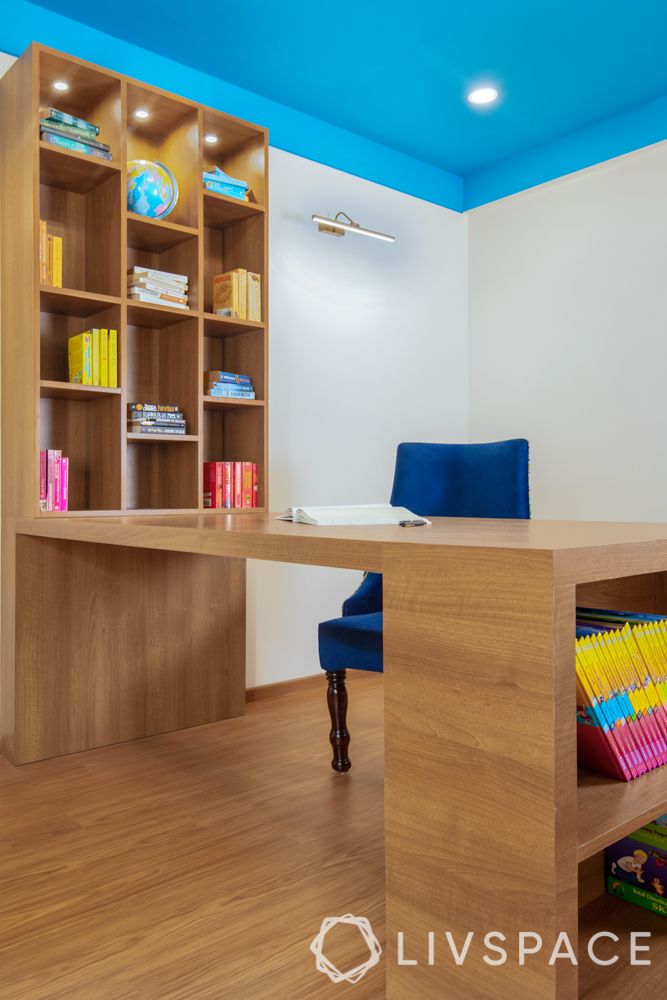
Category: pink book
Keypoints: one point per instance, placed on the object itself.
(57, 465)
(42, 480)
(50, 477)
(64, 483)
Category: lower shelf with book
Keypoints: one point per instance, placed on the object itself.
(231, 485)
(87, 431)
(56, 329)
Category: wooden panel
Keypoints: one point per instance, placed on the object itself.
(591, 879)
(622, 979)
(161, 474)
(146, 642)
(480, 739)
(629, 593)
(609, 809)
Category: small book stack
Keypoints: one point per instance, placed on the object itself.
(53, 480)
(238, 294)
(636, 867)
(161, 288)
(228, 384)
(75, 134)
(621, 692)
(219, 182)
(155, 418)
(230, 484)
(93, 358)
(50, 257)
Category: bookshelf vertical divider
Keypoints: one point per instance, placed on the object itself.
(162, 351)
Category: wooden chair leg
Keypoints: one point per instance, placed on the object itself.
(339, 736)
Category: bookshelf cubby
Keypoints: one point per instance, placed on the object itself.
(162, 351)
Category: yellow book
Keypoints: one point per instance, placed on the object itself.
(57, 264)
(226, 294)
(254, 297)
(96, 356)
(80, 358)
(49, 259)
(243, 292)
(104, 357)
(113, 359)
(43, 252)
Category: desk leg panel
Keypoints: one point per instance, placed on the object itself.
(115, 643)
(480, 793)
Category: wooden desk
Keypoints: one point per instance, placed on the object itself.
(487, 826)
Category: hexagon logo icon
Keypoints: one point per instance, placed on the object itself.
(323, 964)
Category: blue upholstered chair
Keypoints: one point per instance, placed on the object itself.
(433, 480)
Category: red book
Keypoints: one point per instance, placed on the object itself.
(255, 485)
(56, 479)
(246, 497)
(42, 480)
(228, 491)
(210, 492)
(238, 484)
(64, 483)
(219, 483)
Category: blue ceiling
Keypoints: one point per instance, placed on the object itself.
(397, 73)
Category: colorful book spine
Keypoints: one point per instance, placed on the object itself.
(113, 359)
(210, 492)
(57, 485)
(64, 483)
(104, 358)
(80, 358)
(66, 119)
(57, 261)
(254, 307)
(228, 490)
(246, 496)
(219, 376)
(42, 481)
(226, 294)
(238, 484)
(227, 392)
(74, 145)
(96, 356)
(43, 253)
(255, 485)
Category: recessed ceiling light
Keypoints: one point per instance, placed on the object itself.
(483, 95)
(210, 138)
(60, 85)
(141, 113)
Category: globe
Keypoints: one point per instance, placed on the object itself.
(152, 189)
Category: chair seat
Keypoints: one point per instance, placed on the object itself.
(353, 642)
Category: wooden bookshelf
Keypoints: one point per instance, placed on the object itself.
(163, 351)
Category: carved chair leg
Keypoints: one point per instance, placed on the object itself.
(339, 736)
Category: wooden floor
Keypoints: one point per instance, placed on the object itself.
(197, 865)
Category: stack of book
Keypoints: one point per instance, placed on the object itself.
(162, 288)
(218, 181)
(53, 480)
(230, 484)
(70, 132)
(155, 418)
(636, 867)
(217, 383)
(93, 358)
(238, 293)
(50, 257)
(621, 692)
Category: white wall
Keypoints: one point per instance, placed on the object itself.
(568, 336)
(368, 348)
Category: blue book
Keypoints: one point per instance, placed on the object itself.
(217, 376)
(230, 393)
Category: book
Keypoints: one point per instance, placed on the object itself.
(362, 514)
(226, 294)
(80, 358)
(57, 463)
(148, 429)
(238, 484)
(155, 407)
(157, 299)
(73, 132)
(43, 253)
(142, 414)
(243, 292)
(66, 119)
(151, 285)
(113, 359)
(219, 376)
(210, 485)
(150, 272)
(254, 305)
(228, 392)
(255, 485)
(74, 145)
(42, 481)
(64, 483)
(96, 356)
(227, 485)
(57, 262)
(246, 496)
(104, 357)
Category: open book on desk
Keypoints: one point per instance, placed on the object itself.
(373, 513)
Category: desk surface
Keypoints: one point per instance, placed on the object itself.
(581, 550)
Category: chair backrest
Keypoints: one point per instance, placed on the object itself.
(463, 480)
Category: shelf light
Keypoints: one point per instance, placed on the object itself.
(334, 227)
(483, 95)
(210, 138)
(141, 113)
(61, 85)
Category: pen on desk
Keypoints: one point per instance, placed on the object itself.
(417, 523)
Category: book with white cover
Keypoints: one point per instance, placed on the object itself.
(373, 513)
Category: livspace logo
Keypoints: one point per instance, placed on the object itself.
(434, 949)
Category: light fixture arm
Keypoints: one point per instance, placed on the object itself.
(338, 227)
